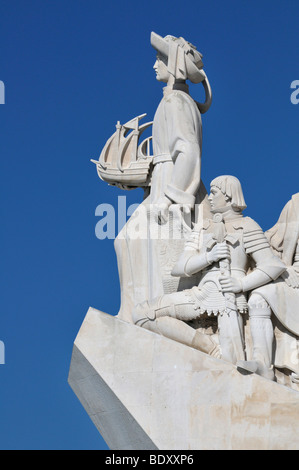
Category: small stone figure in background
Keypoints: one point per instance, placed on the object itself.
(276, 304)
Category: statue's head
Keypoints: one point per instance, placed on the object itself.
(226, 192)
(177, 57)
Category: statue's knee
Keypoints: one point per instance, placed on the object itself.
(258, 306)
(139, 314)
(147, 312)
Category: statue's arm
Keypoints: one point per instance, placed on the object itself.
(191, 260)
(291, 275)
(268, 268)
(189, 263)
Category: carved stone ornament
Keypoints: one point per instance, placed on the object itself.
(204, 351)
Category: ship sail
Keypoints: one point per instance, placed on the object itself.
(123, 159)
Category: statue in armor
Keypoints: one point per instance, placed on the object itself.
(233, 257)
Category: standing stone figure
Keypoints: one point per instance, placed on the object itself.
(278, 345)
(222, 249)
(145, 262)
(177, 127)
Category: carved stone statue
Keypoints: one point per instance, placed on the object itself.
(188, 273)
(222, 249)
(194, 271)
(171, 177)
(278, 345)
(177, 128)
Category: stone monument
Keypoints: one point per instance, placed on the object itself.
(204, 351)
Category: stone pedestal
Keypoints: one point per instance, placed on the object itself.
(144, 391)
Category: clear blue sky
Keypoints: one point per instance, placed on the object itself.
(72, 68)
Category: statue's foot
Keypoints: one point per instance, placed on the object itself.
(256, 367)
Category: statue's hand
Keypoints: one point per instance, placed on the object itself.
(291, 277)
(218, 252)
(162, 210)
(230, 284)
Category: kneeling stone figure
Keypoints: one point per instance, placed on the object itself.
(234, 257)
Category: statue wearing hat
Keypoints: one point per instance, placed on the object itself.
(171, 176)
(177, 127)
(179, 259)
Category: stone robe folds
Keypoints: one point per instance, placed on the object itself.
(282, 298)
(147, 251)
(177, 143)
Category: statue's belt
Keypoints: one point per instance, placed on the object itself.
(161, 158)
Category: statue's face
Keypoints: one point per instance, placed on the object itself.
(160, 68)
(218, 200)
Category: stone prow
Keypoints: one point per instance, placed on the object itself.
(144, 391)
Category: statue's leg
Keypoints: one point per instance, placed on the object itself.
(231, 336)
(167, 315)
(262, 334)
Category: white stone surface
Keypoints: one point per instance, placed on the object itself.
(144, 391)
(221, 249)
(171, 176)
